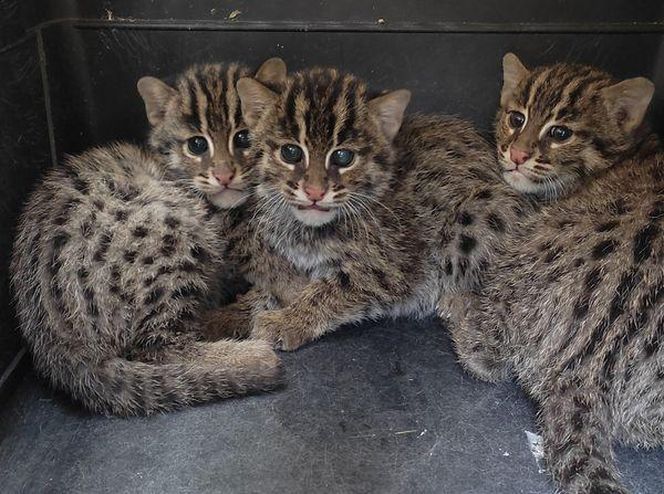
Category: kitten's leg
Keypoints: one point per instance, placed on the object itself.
(477, 334)
(237, 319)
(575, 425)
(322, 306)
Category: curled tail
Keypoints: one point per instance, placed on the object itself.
(195, 373)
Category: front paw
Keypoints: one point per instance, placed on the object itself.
(280, 329)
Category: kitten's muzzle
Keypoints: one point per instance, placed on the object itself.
(312, 206)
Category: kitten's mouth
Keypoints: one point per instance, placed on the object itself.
(312, 207)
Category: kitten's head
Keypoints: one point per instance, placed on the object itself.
(198, 126)
(323, 146)
(561, 123)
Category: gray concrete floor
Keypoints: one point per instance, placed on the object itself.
(372, 409)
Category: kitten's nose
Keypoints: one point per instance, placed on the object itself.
(225, 177)
(518, 156)
(314, 192)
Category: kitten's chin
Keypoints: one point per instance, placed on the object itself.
(521, 183)
(228, 198)
(314, 217)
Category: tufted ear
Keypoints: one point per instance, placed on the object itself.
(272, 73)
(513, 73)
(389, 109)
(255, 99)
(628, 101)
(156, 94)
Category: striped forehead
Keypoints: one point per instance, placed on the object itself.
(210, 102)
(323, 106)
(559, 91)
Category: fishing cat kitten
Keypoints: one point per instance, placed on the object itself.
(356, 218)
(574, 304)
(118, 247)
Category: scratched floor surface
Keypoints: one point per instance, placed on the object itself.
(372, 409)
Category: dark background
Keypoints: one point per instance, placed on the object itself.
(68, 68)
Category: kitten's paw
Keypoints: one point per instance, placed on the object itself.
(278, 328)
(226, 322)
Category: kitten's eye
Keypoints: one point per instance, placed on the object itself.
(560, 133)
(197, 145)
(342, 157)
(241, 139)
(291, 153)
(516, 119)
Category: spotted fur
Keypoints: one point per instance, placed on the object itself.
(414, 214)
(118, 248)
(573, 307)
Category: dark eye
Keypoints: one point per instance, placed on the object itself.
(516, 119)
(560, 133)
(342, 157)
(241, 139)
(197, 145)
(291, 153)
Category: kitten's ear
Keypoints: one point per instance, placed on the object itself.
(513, 73)
(628, 101)
(389, 108)
(156, 94)
(272, 72)
(255, 99)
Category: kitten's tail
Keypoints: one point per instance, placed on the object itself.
(201, 371)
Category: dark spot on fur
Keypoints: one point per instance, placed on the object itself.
(91, 305)
(187, 267)
(463, 266)
(115, 273)
(485, 194)
(148, 260)
(121, 215)
(80, 185)
(657, 211)
(552, 254)
(171, 221)
(168, 245)
(199, 253)
(154, 296)
(102, 248)
(98, 204)
(140, 232)
(606, 227)
(130, 255)
(579, 261)
(344, 279)
(603, 249)
(464, 218)
(593, 279)
(467, 243)
(618, 207)
(643, 242)
(448, 267)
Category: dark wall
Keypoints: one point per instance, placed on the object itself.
(68, 69)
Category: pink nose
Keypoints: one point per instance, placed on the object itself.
(518, 156)
(224, 177)
(314, 193)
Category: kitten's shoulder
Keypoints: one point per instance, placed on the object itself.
(421, 128)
